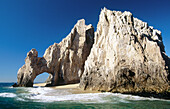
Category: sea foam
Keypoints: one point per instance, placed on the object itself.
(8, 95)
(65, 95)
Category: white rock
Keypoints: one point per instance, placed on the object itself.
(64, 61)
(128, 56)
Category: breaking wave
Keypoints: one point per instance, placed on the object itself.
(65, 95)
(11, 95)
(43, 94)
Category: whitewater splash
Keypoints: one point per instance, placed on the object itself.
(42, 94)
(10, 95)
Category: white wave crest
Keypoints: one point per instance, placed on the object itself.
(52, 95)
(86, 98)
(42, 94)
(11, 95)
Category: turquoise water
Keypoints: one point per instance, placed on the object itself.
(46, 98)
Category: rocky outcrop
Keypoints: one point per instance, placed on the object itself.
(34, 66)
(64, 61)
(127, 56)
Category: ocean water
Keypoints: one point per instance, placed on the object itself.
(49, 98)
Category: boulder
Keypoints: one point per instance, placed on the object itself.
(127, 56)
(64, 61)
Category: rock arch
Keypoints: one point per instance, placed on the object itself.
(64, 61)
(33, 67)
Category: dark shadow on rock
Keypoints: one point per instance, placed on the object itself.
(165, 95)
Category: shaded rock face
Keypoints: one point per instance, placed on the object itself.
(127, 56)
(34, 66)
(64, 61)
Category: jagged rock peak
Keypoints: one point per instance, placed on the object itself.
(64, 61)
(127, 56)
(32, 53)
(123, 19)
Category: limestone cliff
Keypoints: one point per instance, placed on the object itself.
(64, 61)
(127, 56)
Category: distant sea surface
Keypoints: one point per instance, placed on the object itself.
(49, 98)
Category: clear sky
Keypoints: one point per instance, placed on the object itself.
(27, 24)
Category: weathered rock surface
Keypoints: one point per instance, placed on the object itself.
(127, 56)
(64, 61)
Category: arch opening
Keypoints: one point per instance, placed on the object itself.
(41, 79)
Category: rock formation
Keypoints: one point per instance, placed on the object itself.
(64, 61)
(127, 56)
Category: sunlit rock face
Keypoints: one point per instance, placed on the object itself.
(64, 61)
(127, 56)
(33, 66)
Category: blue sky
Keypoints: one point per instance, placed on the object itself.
(27, 24)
